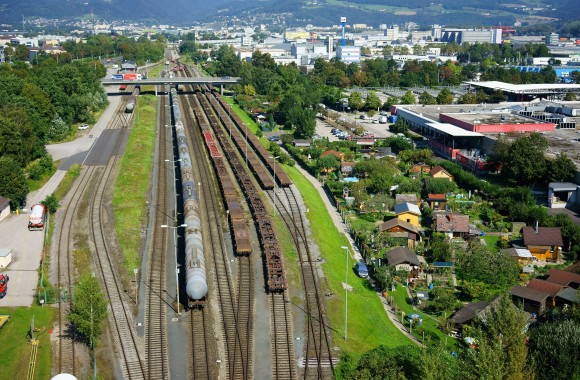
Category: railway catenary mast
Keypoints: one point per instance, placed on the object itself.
(195, 275)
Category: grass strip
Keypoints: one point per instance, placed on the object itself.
(368, 324)
(132, 185)
(16, 347)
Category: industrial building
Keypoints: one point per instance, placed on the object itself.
(348, 54)
(459, 36)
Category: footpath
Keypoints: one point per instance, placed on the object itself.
(342, 228)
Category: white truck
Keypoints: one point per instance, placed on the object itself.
(37, 218)
(383, 119)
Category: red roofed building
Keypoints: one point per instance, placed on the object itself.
(452, 223)
(547, 287)
(436, 201)
(334, 153)
(545, 243)
(563, 278)
(439, 172)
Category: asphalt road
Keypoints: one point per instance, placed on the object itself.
(27, 245)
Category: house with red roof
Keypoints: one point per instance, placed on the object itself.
(452, 224)
(440, 172)
(436, 201)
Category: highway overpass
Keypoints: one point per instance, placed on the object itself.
(216, 81)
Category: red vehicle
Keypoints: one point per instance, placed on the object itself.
(132, 77)
(123, 87)
(3, 285)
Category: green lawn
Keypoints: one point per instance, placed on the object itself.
(491, 242)
(368, 324)
(132, 185)
(15, 348)
(432, 333)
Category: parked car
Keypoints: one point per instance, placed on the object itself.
(274, 138)
(316, 136)
(82, 127)
(362, 270)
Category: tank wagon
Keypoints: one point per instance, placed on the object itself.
(195, 275)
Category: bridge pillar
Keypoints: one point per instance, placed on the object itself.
(221, 89)
(155, 90)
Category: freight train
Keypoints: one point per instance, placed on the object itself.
(195, 275)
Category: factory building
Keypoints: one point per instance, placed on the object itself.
(348, 54)
(459, 36)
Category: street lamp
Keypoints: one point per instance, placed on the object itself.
(345, 293)
(176, 267)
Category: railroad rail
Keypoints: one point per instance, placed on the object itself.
(318, 362)
(156, 349)
(238, 347)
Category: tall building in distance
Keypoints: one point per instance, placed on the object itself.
(348, 54)
(552, 39)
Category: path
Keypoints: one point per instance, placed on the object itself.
(341, 226)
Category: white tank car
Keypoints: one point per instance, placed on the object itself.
(195, 277)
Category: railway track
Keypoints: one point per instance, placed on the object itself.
(66, 343)
(120, 315)
(66, 350)
(282, 345)
(156, 350)
(236, 303)
(318, 362)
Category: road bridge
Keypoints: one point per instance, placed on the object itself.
(217, 81)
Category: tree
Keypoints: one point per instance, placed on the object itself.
(444, 300)
(561, 339)
(400, 126)
(391, 101)
(303, 122)
(524, 162)
(383, 362)
(570, 97)
(13, 185)
(500, 339)
(468, 98)
(89, 309)
(408, 98)
(327, 164)
(372, 101)
(439, 186)
(355, 101)
(445, 97)
(496, 269)
(426, 98)
(562, 169)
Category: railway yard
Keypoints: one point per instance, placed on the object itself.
(212, 296)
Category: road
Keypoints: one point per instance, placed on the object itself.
(27, 245)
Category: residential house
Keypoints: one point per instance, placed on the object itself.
(522, 255)
(564, 278)
(346, 168)
(410, 198)
(567, 296)
(418, 169)
(405, 260)
(301, 143)
(436, 201)
(545, 243)
(398, 228)
(336, 154)
(531, 300)
(546, 287)
(452, 224)
(4, 207)
(408, 212)
(439, 172)
(468, 313)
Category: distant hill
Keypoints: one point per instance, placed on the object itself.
(301, 12)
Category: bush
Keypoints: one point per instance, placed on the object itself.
(51, 203)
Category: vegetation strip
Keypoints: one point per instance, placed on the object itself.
(132, 185)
